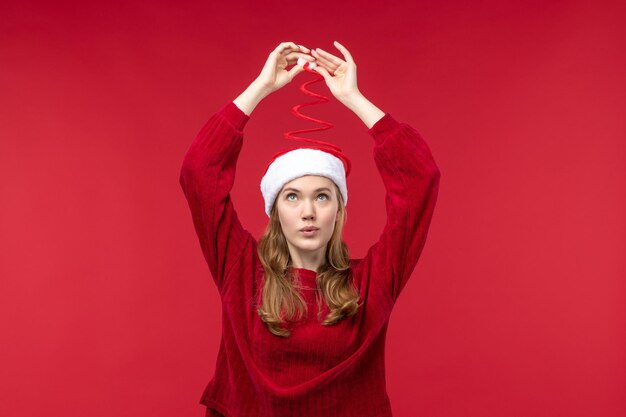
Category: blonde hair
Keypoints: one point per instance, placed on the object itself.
(281, 298)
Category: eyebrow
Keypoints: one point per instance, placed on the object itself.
(296, 190)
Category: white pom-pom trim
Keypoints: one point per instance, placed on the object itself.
(302, 62)
(297, 163)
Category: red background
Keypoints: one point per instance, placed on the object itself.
(517, 306)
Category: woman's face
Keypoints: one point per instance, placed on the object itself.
(310, 200)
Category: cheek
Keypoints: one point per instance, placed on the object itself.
(331, 217)
(287, 219)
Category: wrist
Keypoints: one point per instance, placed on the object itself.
(364, 109)
(353, 100)
(251, 97)
(259, 90)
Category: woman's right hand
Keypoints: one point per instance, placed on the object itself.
(274, 75)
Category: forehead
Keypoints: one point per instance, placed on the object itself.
(309, 182)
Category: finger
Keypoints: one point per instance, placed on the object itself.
(305, 49)
(294, 71)
(323, 71)
(286, 46)
(329, 57)
(293, 57)
(324, 61)
(344, 51)
(330, 70)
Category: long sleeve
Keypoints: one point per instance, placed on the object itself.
(411, 180)
(207, 177)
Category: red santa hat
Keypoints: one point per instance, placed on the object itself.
(326, 160)
(290, 164)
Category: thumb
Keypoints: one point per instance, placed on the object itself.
(297, 69)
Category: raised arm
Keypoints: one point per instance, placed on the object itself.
(408, 171)
(207, 177)
(208, 170)
(411, 179)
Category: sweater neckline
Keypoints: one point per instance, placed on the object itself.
(306, 275)
(303, 270)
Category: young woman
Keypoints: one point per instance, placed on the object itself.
(276, 359)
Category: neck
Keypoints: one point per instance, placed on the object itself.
(312, 260)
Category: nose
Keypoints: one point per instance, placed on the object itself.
(308, 210)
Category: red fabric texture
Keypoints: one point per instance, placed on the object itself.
(336, 370)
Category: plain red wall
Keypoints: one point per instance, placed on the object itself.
(517, 306)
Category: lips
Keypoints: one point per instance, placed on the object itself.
(308, 229)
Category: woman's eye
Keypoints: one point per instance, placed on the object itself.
(293, 194)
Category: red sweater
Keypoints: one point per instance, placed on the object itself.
(328, 371)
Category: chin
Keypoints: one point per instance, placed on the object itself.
(310, 247)
(309, 244)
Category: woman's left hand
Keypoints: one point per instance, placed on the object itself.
(339, 74)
